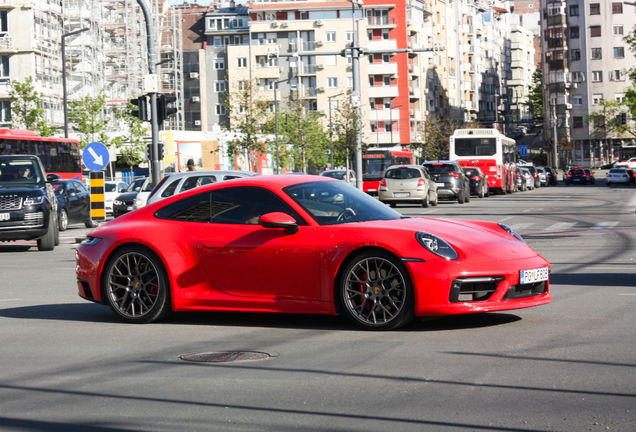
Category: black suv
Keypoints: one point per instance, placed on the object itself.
(575, 175)
(28, 207)
(450, 179)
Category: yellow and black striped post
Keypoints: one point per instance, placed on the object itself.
(98, 212)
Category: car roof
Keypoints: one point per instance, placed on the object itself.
(405, 166)
(210, 172)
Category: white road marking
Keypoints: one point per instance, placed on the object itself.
(8, 300)
(604, 225)
(521, 226)
(628, 294)
(561, 226)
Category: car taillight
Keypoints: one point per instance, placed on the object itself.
(583, 175)
(476, 178)
(383, 182)
(454, 175)
(420, 182)
(569, 175)
(535, 175)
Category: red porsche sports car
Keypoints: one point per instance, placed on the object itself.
(304, 244)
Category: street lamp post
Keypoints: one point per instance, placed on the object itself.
(331, 131)
(391, 120)
(356, 93)
(64, 36)
(276, 121)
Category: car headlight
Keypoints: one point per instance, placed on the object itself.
(91, 241)
(34, 200)
(138, 202)
(436, 245)
(511, 231)
(117, 202)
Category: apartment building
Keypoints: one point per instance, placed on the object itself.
(585, 62)
(110, 55)
(522, 55)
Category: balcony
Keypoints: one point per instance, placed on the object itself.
(390, 68)
(468, 29)
(307, 70)
(384, 91)
(557, 21)
(384, 114)
(378, 22)
(384, 137)
(466, 67)
(382, 44)
(468, 86)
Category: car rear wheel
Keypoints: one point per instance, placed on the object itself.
(376, 291)
(91, 224)
(63, 220)
(426, 201)
(480, 194)
(460, 198)
(136, 285)
(436, 200)
(467, 195)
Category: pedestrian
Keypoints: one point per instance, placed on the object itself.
(191, 165)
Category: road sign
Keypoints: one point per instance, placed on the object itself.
(95, 156)
(523, 150)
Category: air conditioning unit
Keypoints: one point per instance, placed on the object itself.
(196, 99)
(568, 106)
(194, 75)
(319, 43)
(282, 70)
(165, 77)
(321, 89)
(284, 24)
(575, 85)
(197, 122)
(320, 22)
(322, 112)
(320, 66)
(275, 23)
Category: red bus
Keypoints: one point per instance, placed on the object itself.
(59, 156)
(489, 150)
(375, 161)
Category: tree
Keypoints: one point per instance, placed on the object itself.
(534, 99)
(248, 116)
(131, 145)
(613, 120)
(347, 125)
(436, 133)
(26, 108)
(88, 118)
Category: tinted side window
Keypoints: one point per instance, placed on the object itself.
(244, 205)
(192, 209)
(169, 191)
(80, 187)
(192, 182)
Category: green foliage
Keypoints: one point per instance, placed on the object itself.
(535, 98)
(88, 118)
(436, 137)
(612, 120)
(131, 145)
(26, 108)
(346, 121)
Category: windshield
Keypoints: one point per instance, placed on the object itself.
(475, 146)
(136, 185)
(403, 173)
(331, 203)
(17, 173)
(440, 168)
(334, 174)
(147, 187)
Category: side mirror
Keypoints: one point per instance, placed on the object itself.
(52, 178)
(122, 190)
(72, 194)
(279, 220)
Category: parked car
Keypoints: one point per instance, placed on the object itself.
(180, 182)
(143, 194)
(407, 184)
(125, 202)
(632, 175)
(200, 251)
(28, 207)
(73, 204)
(543, 176)
(618, 176)
(520, 180)
(575, 175)
(478, 182)
(339, 174)
(552, 175)
(450, 179)
(528, 177)
(590, 176)
(535, 175)
(112, 189)
(629, 163)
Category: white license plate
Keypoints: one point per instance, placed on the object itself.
(372, 190)
(5, 216)
(440, 184)
(534, 275)
(129, 208)
(401, 194)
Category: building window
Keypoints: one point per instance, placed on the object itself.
(597, 53)
(619, 97)
(270, 16)
(595, 31)
(350, 82)
(241, 62)
(595, 9)
(332, 82)
(219, 86)
(220, 110)
(617, 75)
(619, 52)
(219, 63)
(574, 32)
(577, 77)
(349, 34)
(4, 69)
(617, 7)
(242, 85)
(386, 58)
(577, 100)
(331, 36)
(623, 119)
(577, 122)
(617, 30)
(597, 98)
(574, 10)
(597, 76)
(576, 54)
(333, 105)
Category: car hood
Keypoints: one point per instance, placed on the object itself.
(485, 238)
(23, 191)
(127, 196)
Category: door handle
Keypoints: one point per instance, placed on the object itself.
(211, 245)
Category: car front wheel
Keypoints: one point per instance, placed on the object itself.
(136, 285)
(63, 220)
(376, 291)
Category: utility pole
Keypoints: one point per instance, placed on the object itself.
(555, 138)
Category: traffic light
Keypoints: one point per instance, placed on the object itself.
(149, 151)
(163, 112)
(142, 108)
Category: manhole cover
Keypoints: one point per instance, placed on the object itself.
(225, 356)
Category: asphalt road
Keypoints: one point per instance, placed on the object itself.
(70, 365)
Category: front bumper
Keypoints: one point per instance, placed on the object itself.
(29, 223)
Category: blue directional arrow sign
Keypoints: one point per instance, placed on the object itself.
(95, 156)
(523, 150)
